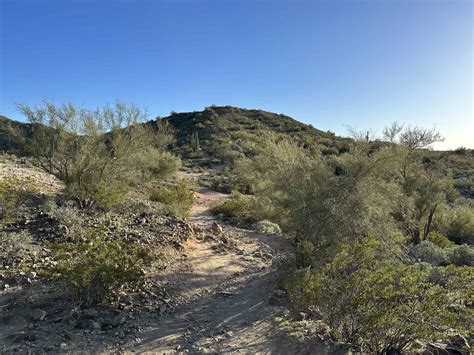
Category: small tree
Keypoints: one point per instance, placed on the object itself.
(94, 152)
(423, 189)
(301, 192)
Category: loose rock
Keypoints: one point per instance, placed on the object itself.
(37, 315)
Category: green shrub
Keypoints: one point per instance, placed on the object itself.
(94, 265)
(439, 240)
(67, 214)
(132, 205)
(157, 164)
(462, 255)
(375, 302)
(194, 155)
(237, 207)
(216, 183)
(104, 195)
(13, 192)
(430, 253)
(268, 227)
(9, 196)
(329, 151)
(301, 288)
(305, 254)
(14, 246)
(178, 199)
(461, 151)
(458, 224)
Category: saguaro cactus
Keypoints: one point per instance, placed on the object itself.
(195, 142)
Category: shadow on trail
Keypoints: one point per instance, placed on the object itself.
(220, 321)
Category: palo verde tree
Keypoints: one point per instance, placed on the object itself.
(97, 152)
(417, 188)
(423, 188)
(301, 191)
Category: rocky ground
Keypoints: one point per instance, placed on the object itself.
(226, 283)
(214, 291)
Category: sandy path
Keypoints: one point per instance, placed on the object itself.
(225, 289)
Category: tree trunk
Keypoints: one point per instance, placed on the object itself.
(416, 236)
(427, 228)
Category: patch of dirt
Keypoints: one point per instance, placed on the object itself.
(204, 199)
(224, 283)
(48, 183)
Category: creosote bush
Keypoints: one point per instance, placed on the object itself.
(236, 208)
(177, 199)
(95, 265)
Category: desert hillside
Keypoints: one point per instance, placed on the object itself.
(230, 230)
(236, 177)
(223, 134)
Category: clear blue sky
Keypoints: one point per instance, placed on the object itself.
(328, 63)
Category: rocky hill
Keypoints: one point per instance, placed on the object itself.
(219, 131)
(7, 143)
(225, 132)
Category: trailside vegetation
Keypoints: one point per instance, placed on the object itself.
(375, 234)
(97, 153)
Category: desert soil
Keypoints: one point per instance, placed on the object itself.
(226, 282)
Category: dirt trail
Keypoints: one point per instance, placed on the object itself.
(224, 282)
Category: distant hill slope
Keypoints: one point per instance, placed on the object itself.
(7, 143)
(226, 132)
(223, 132)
